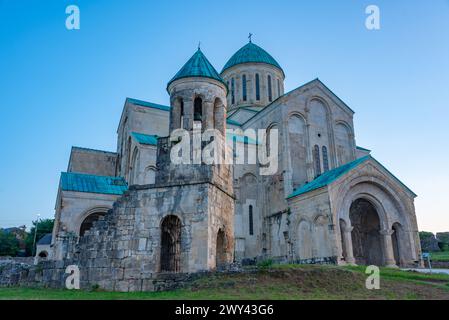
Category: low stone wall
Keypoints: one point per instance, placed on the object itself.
(51, 274)
(27, 260)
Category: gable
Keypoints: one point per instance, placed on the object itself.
(336, 174)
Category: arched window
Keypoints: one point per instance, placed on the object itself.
(198, 109)
(232, 91)
(257, 87)
(316, 160)
(251, 221)
(181, 105)
(244, 87)
(279, 88)
(325, 159)
(89, 221)
(270, 92)
(170, 258)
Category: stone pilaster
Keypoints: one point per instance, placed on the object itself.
(388, 248)
(347, 241)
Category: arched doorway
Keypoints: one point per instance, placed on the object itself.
(366, 240)
(89, 221)
(170, 244)
(220, 257)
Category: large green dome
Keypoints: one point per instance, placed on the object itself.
(197, 66)
(251, 53)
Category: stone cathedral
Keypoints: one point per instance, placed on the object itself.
(125, 217)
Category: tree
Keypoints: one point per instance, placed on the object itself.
(9, 244)
(44, 226)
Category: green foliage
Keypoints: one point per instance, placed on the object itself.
(43, 227)
(9, 245)
(265, 264)
(426, 234)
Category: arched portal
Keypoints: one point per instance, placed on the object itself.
(43, 255)
(170, 244)
(220, 257)
(89, 221)
(366, 239)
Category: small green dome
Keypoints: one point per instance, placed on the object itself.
(197, 66)
(251, 53)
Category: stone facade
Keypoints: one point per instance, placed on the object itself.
(328, 202)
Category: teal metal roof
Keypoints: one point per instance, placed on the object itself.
(240, 138)
(71, 181)
(145, 138)
(332, 175)
(233, 122)
(328, 177)
(251, 53)
(148, 104)
(363, 149)
(197, 66)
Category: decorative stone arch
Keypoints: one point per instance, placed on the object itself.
(170, 244)
(150, 174)
(302, 238)
(297, 114)
(273, 125)
(384, 185)
(377, 191)
(94, 213)
(43, 255)
(219, 115)
(133, 166)
(248, 174)
(128, 155)
(222, 253)
(330, 131)
(177, 113)
(350, 140)
(348, 127)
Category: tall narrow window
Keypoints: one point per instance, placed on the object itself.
(232, 91)
(325, 159)
(198, 109)
(279, 88)
(257, 87)
(270, 91)
(251, 222)
(244, 87)
(316, 160)
(181, 104)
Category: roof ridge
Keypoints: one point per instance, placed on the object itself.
(90, 149)
(328, 177)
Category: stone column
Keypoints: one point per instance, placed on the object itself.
(208, 115)
(388, 248)
(188, 114)
(347, 240)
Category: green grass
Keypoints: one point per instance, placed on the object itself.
(273, 282)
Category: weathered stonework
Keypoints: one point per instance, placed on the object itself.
(322, 205)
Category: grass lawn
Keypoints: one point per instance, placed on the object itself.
(277, 282)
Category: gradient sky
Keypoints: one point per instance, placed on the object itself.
(60, 88)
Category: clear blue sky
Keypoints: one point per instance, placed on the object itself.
(60, 88)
